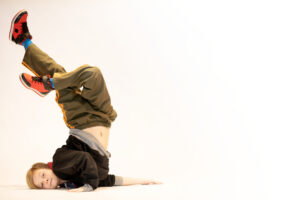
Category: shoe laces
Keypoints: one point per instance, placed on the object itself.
(37, 80)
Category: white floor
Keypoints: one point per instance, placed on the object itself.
(164, 191)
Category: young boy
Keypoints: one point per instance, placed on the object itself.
(84, 161)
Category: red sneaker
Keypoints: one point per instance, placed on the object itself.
(19, 31)
(40, 85)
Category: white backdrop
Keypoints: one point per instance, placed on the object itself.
(207, 92)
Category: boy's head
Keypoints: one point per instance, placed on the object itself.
(41, 176)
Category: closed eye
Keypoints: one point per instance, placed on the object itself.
(43, 175)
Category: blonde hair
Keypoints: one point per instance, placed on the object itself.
(29, 176)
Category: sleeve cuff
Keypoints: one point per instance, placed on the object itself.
(118, 180)
(87, 188)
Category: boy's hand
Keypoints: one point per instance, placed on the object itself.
(148, 182)
(84, 188)
(80, 189)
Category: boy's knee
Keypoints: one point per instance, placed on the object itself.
(89, 71)
(95, 71)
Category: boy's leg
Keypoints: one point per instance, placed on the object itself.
(93, 88)
(84, 109)
(35, 60)
(39, 62)
(42, 66)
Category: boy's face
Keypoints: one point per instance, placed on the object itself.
(45, 179)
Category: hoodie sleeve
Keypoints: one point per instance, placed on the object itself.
(76, 165)
(108, 181)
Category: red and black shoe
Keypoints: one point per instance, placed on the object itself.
(18, 30)
(40, 85)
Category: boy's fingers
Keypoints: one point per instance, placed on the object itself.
(76, 190)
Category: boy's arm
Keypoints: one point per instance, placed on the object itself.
(119, 181)
(123, 181)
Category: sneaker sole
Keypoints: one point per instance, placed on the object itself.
(37, 92)
(13, 22)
